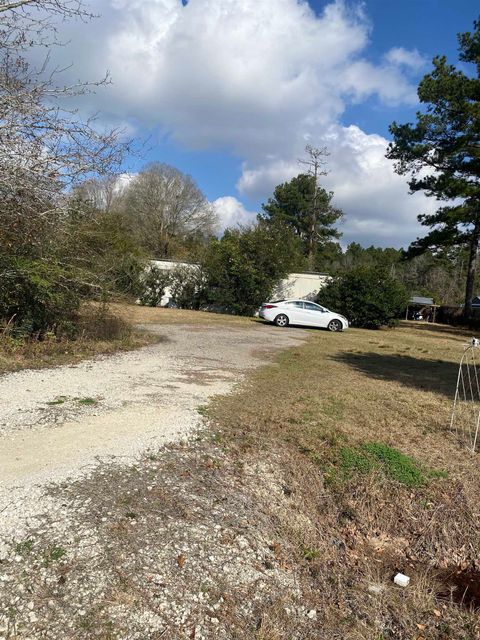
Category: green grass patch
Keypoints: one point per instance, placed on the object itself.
(355, 460)
(24, 548)
(393, 463)
(87, 401)
(396, 465)
(55, 553)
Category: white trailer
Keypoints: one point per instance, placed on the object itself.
(305, 285)
(296, 285)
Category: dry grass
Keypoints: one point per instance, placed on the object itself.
(99, 332)
(291, 497)
(136, 314)
(354, 428)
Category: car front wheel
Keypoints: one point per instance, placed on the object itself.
(281, 320)
(335, 325)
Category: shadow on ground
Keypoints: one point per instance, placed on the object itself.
(422, 375)
(460, 332)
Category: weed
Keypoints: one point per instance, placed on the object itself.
(437, 473)
(370, 456)
(203, 410)
(87, 401)
(310, 554)
(55, 553)
(24, 548)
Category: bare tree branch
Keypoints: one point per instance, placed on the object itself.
(45, 147)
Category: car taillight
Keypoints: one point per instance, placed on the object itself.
(269, 306)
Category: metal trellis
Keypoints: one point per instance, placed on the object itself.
(465, 419)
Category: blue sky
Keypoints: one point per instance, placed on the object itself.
(230, 92)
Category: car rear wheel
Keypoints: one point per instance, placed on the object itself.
(335, 325)
(281, 320)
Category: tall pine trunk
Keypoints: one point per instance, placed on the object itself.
(311, 245)
(471, 269)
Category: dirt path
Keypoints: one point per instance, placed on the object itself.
(59, 423)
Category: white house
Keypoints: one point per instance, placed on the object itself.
(296, 285)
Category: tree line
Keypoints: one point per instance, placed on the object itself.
(74, 228)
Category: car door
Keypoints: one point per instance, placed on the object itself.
(315, 315)
(294, 310)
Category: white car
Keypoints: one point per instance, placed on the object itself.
(301, 312)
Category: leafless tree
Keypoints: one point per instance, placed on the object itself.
(101, 193)
(165, 207)
(315, 163)
(44, 146)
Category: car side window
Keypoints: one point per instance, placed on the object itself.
(312, 307)
(294, 303)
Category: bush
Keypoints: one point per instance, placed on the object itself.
(368, 297)
(97, 323)
(101, 245)
(187, 286)
(153, 285)
(245, 265)
(38, 297)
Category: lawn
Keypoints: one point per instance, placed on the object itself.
(137, 314)
(354, 428)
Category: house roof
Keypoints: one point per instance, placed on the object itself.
(421, 300)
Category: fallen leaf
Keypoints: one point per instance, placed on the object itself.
(421, 626)
(181, 560)
(437, 613)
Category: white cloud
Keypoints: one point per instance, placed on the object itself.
(405, 57)
(250, 75)
(363, 79)
(258, 78)
(230, 213)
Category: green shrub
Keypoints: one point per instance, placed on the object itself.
(368, 297)
(187, 286)
(153, 285)
(38, 296)
(243, 268)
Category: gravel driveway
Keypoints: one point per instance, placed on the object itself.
(60, 423)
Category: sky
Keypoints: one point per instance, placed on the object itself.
(231, 92)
